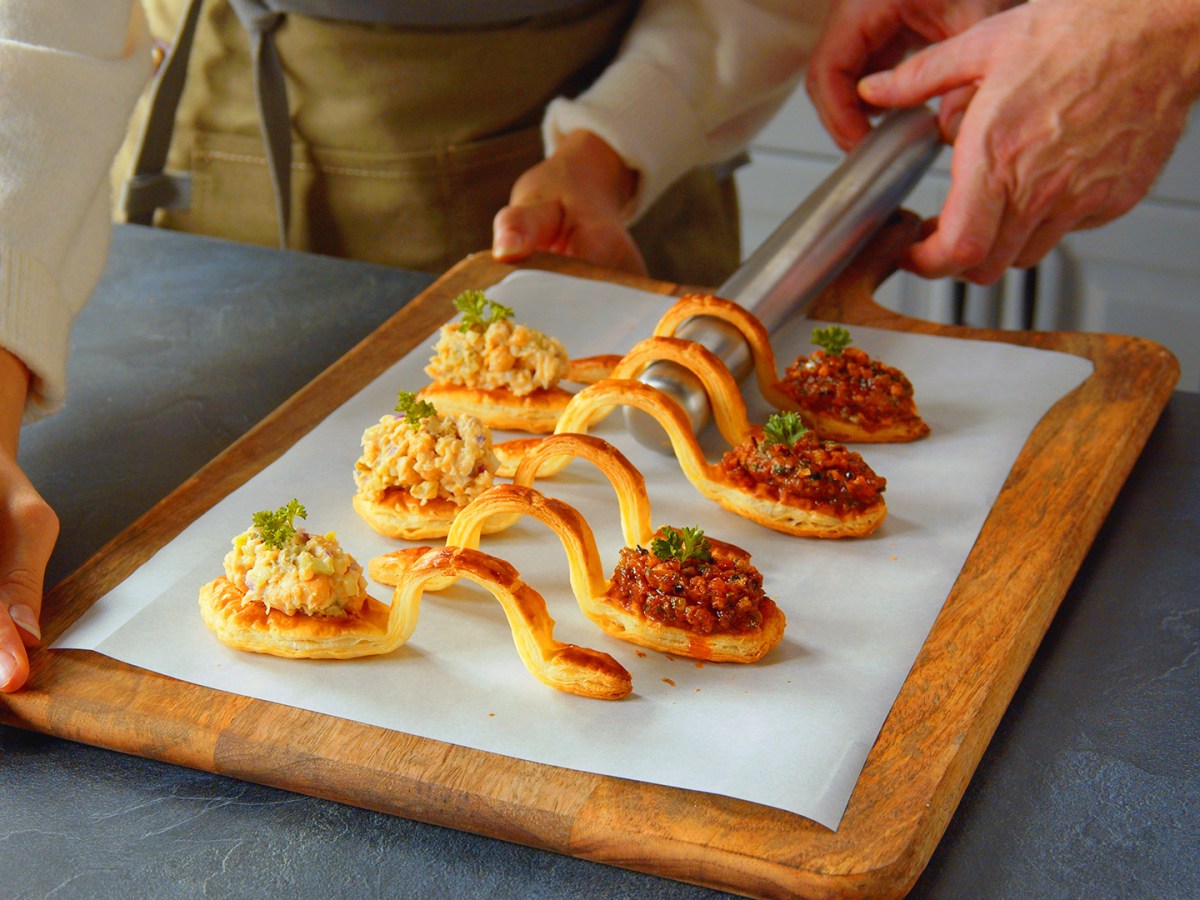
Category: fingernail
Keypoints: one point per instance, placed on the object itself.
(509, 242)
(24, 617)
(8, 667)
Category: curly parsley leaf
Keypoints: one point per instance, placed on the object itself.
(414, 410)
(477, 309)
(276, 527)
(681, 544)
(834, 339)
(784, 428)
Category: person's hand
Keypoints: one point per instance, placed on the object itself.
(865, 36)
(573, 202)
(1061, 112)
(28, 530)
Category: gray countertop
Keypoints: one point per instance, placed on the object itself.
(1090, 787)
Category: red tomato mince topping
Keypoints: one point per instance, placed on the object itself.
(850, 386)
(721, 594)
(810, 472)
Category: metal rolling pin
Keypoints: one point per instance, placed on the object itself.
(783, 277)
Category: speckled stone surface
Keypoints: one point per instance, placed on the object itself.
(1091, 785)
(186, 344)
(1089, 789)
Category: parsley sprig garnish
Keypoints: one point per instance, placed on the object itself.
(834, 339)
(784, 428)
(477, 309)
(414, 410)
(276, 527)
(681, 544)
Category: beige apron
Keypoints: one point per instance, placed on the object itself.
(406, 142)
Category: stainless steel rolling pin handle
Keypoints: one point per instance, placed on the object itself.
(812, 245)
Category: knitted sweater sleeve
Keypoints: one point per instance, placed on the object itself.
(69, 76)
(694, 81)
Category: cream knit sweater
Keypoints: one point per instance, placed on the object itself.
(69, 75)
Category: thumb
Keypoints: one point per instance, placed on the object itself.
(20, 608)
(520, 229)
(32, 529)
(14, 662)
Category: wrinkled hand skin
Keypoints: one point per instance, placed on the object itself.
(28, 530)
(573, 203)
(1061, 112)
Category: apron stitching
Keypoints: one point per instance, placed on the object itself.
(298, 164)
(253, 159)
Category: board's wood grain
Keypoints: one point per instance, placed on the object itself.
(1053, 502)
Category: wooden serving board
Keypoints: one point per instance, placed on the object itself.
(1027, 553)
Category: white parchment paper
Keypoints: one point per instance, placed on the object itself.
(790, 732)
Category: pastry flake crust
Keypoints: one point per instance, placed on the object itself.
(590, 369)
(499, 408)
(548, 455)
(400, 515)
(376, 629)
(254, 628)
(565, 667)
(763, 507)
(844, 423)
(592, 588)
(785, 513)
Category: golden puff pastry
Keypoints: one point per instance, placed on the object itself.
(549, 455)
(565, 667)
(719, 614)
(729, 409)
(697, 625)
(546, 455)
(843, 394)
(590, 369)
(279, 600)
(286, 592)
(504, 373)
(800, 494)
(419, 468)
(252, 627)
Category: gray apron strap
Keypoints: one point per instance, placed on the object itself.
(260, 21)
(150, 187)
